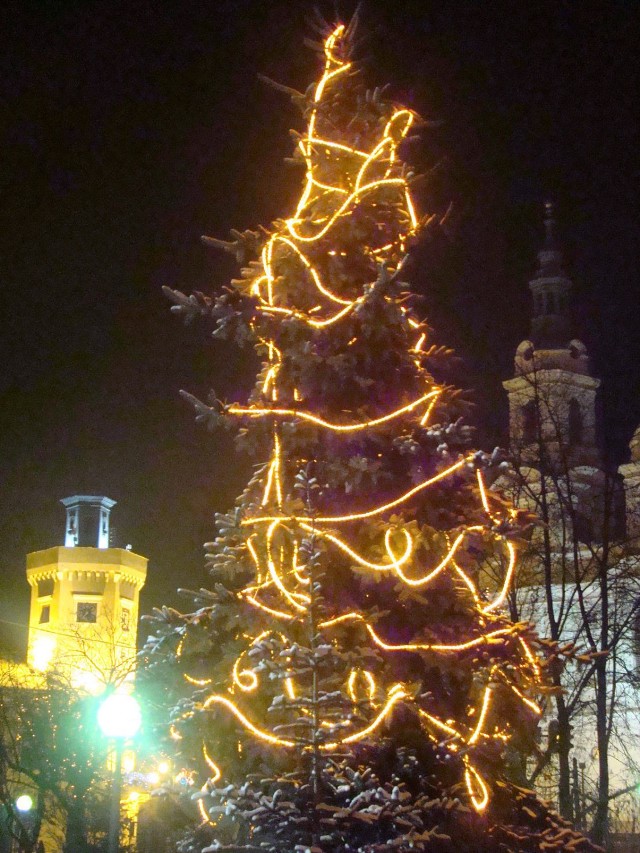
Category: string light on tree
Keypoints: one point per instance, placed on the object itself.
(351, 569)
(367, 176)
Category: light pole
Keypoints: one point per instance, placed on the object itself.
(119, 718)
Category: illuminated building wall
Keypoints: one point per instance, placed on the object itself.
(84, 600)
(554, 442)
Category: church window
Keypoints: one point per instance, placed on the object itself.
(87, 611)
(575, 422)
(45, 613)
(529, 422)
(125, 619)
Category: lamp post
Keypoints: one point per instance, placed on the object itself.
(119, 718)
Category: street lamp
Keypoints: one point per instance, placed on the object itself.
(24, 803)
(119, 718)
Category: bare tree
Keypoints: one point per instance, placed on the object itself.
(581, 587)
(97, 657)
(50, 749)
(50, 743)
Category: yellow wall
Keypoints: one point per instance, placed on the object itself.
(104, 581)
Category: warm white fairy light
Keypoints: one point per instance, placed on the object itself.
(260, 412)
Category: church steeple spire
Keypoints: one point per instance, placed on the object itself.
(552, 394)
(550, 324)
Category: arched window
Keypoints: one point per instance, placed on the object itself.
(575, 422)
(529, 422)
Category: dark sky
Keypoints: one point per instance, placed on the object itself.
(131, 128)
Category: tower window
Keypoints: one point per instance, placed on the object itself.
(125, 619)
(45, 587)
(45, 613)
(529, 422)
(87, 611)
(575, 422)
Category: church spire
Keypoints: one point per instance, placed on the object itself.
(552, 394)
(550, 324)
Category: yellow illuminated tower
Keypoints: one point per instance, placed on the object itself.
(84, 600)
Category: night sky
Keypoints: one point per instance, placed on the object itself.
(131, 128)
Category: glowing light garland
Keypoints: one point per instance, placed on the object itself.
(483, 639)
(257, 412)
(360, 516)
(282, 587)
(249, 726)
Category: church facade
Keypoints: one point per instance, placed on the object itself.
(580, 581)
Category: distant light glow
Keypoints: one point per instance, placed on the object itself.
(85, 679)
(42, 651)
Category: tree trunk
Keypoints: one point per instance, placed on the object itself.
(600, 829)
(563, 734)
(565, 799)
(75, 840)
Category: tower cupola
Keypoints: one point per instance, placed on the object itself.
(87, 522)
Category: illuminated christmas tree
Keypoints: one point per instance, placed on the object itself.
(352, 685)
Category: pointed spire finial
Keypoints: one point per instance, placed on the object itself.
(550, 256)
(551, 241)
(550, 288)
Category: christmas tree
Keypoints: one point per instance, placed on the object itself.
(351, 684)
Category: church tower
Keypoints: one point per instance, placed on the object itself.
(84, 600)
(630, 473)
(575, 551)
(552, 396)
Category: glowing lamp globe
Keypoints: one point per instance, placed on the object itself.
(119, 716)
(24, 803)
